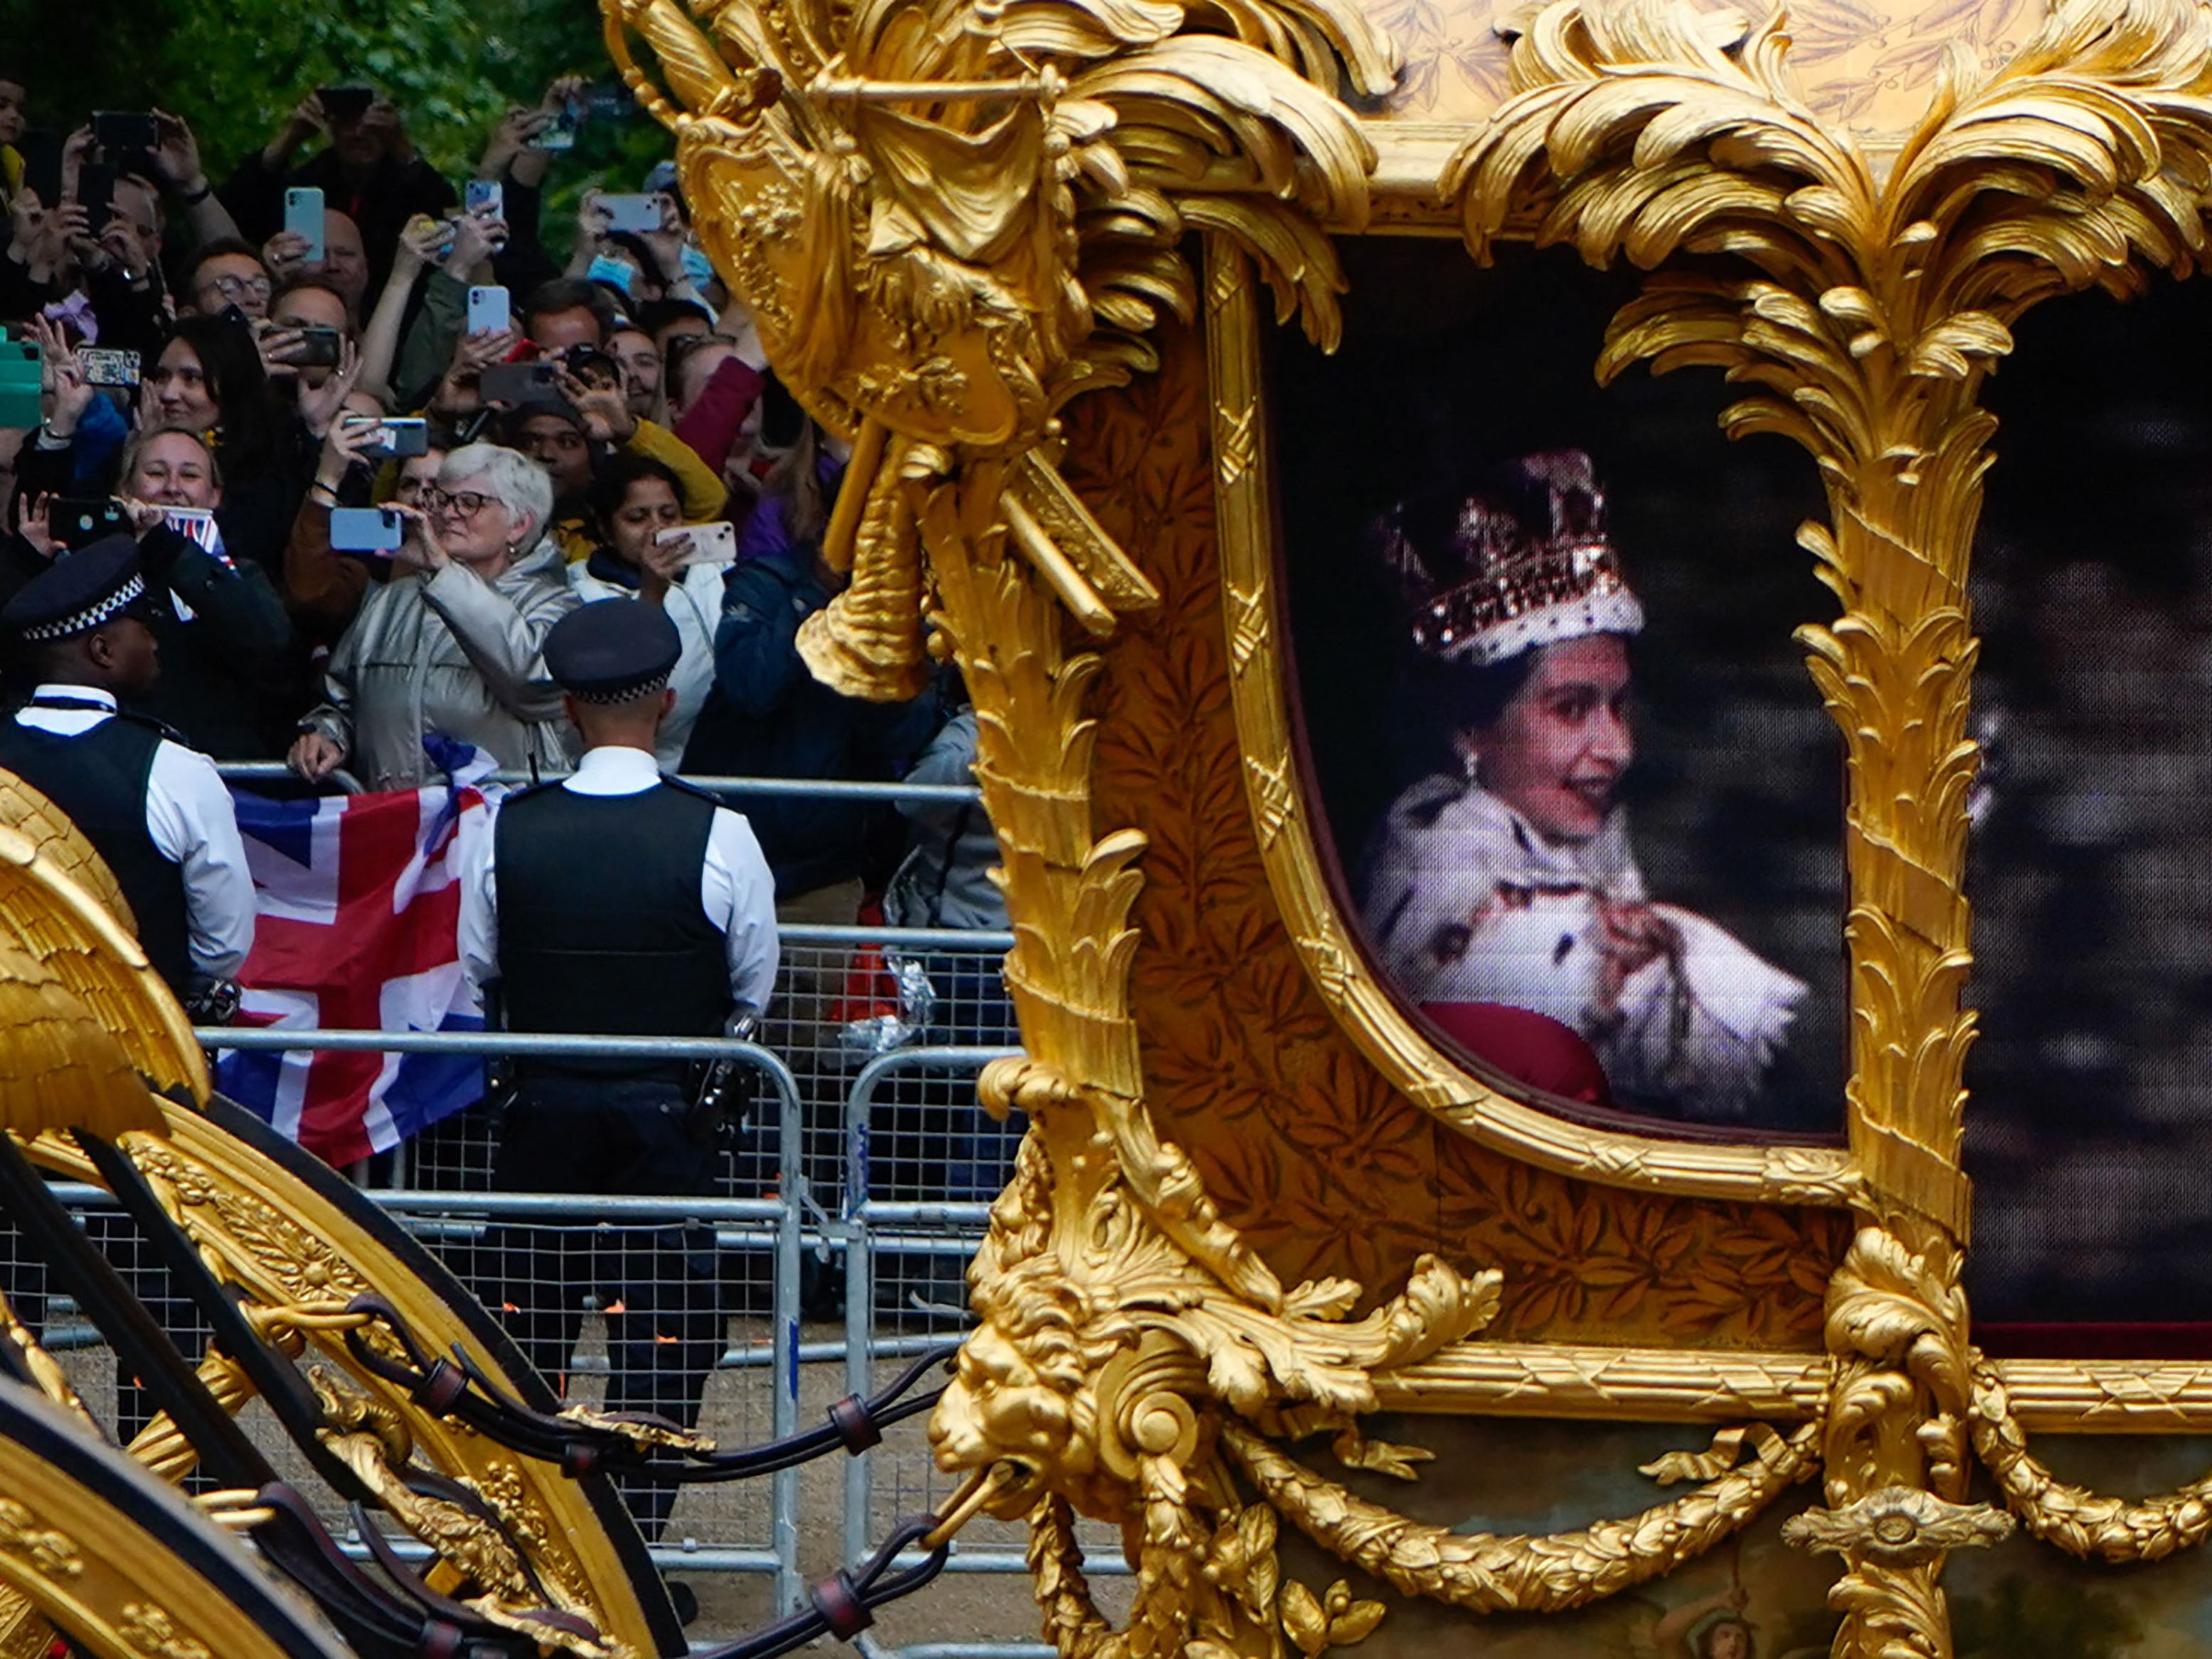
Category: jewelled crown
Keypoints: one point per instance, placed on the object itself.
(1524, 560)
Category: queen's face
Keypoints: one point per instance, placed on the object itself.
(1556, 751)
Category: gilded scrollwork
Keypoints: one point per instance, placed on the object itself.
(1898, 1526)
(947, 229)
(299, 1259)
(1309, 1150)
(1862, 312)
(1488, 1572)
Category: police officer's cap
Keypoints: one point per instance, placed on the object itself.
(78, 592)
(612, 650)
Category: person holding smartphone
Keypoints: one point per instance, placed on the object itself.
(369, 170)
(646, 554)
(454, 643)
(324, 589)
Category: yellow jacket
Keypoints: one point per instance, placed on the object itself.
(703, 494)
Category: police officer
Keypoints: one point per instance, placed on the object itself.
(616, 901)
(156, 810)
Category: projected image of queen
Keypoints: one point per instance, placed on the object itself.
(1511, 881)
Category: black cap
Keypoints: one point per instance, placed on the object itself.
(550, 405)
(612, 650)
(78, 592)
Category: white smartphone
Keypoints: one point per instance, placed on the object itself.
(638, 215)
(303, 216)
(711, 544)
(485, 196)
(490, 310)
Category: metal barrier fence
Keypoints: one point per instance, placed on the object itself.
(848, 1200)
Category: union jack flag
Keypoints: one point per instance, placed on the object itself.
(356, 929)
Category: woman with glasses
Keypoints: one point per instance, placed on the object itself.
(323, 588)
(453, 643)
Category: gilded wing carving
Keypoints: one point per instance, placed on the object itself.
(25, 808)
(50, 922)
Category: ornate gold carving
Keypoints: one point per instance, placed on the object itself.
(2078, 1521)
(28, 811)
(88, 1008)
(1897, 1526)
(1310, 1151)
(151, 1632)
(976, 216)
(1488, 1573)
(1125, 1322)
(945, 230)
(88, 1547)
(299, 1259)
(46, 1373)
(52, 1554)
(1861, 313)
(1490, 1378)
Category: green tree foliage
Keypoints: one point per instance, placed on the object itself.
(235, 69)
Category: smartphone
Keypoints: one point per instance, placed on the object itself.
(343, 105)
(95, 190)
(487, 196)
(116, 130)
(561, 132)
(108, 366)
(513, 384)
(317, 348)
(41, 149)
(400, 437)
(78, 524)
(607, 101)
(490, 310)
(711, 544)
(303, 216)
(638, 215)
(365, 530)
(21, 366)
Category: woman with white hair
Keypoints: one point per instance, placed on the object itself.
(453, 643)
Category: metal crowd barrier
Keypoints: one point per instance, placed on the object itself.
(741, 788)
(897, 1112)
(827, 1195)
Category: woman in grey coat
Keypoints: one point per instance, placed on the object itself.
(453, 643)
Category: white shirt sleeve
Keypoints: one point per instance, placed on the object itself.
(478, 932)
(191, 820)
(738, 893)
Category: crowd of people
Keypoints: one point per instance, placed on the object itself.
(229, 385)
(329, 461)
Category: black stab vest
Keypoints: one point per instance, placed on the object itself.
(601, 928)
(100, 778)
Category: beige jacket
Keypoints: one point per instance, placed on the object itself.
(452, 653)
